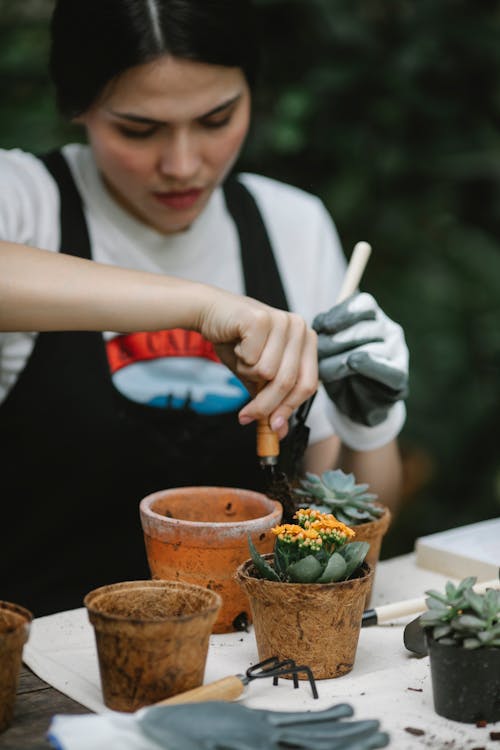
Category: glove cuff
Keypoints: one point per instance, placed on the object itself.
(360, 437)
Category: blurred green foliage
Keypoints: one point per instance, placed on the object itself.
(390, 111)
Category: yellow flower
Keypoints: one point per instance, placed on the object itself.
(324, 523)
(287, 528)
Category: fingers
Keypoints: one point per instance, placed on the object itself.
(288, 367)
(353, 310)
(331, 345)
(379, 370)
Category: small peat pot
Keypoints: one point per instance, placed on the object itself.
(152, 639)
(337, 493)
(465, 682)
(200, 535)
(14, 631)
(373, 532)
(317, 624)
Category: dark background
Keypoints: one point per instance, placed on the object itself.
(390, 111)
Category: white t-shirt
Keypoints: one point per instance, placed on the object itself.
(306, 248)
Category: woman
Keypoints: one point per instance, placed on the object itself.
(163, 91)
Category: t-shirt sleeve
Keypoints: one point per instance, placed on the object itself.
(29, 215)
(29, 201)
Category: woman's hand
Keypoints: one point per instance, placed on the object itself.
(273, 352)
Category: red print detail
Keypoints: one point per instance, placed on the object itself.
(137, 347)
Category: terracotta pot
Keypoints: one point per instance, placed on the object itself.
(152, 639)
(14, 630)
(373, 532)
(316, 624)
(200, 535)
(465, 683)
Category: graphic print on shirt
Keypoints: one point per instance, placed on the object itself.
(173, 369)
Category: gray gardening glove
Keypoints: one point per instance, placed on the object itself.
(230, 726)
(363, 364)
(216, 725)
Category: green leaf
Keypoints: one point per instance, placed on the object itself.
(312, 478)
(306, 570)
(337, 481)
(335, 569)
(441, 630)
(354, 554)
(432, 603)
(431, 617)
(438, 596)
(492, 599)
(357, 515)
(470, 643)
(446, 641)
(475, 602)
(450, 591)
(468, 622)
(466, 584)
(262, 566)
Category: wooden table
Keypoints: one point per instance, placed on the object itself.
(36, 703)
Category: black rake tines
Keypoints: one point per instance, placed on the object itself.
(275, 668)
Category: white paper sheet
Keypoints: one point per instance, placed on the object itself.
(386, 683)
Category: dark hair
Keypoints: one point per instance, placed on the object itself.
(95, 40)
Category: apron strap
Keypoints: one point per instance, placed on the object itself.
(75, 238)
(262, 278)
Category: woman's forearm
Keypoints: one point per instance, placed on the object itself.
(45, 291)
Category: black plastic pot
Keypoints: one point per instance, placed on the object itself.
(465, 682)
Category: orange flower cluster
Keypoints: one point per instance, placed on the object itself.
(314, 531)
(332, 532)
(292, 534)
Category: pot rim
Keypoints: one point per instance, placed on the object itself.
(22, 619)
(242, 574)
(95, 594)
(383, 520)
(16, 609)
(252, 525)
(437, 645)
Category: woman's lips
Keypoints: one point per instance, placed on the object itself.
(179, 200)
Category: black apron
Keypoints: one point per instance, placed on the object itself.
(78, 456)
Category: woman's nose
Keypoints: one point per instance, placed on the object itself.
(179, 158)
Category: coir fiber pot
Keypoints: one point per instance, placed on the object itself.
(373, 532)
(200, 535)
(317, 624)
(152, 639)
(465, 682)
(14, 631)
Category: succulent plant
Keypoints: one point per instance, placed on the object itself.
(314, 550)
(461, 617)
(337, 493)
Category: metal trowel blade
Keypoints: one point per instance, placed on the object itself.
(414, 638)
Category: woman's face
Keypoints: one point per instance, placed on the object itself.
(165, 134)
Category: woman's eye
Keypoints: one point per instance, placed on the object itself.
(130, 133)
(213, 123)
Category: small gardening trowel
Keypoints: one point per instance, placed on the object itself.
(268, 445)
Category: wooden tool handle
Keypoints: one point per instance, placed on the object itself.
(355, 269)
(226, 689)
(268, 443)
